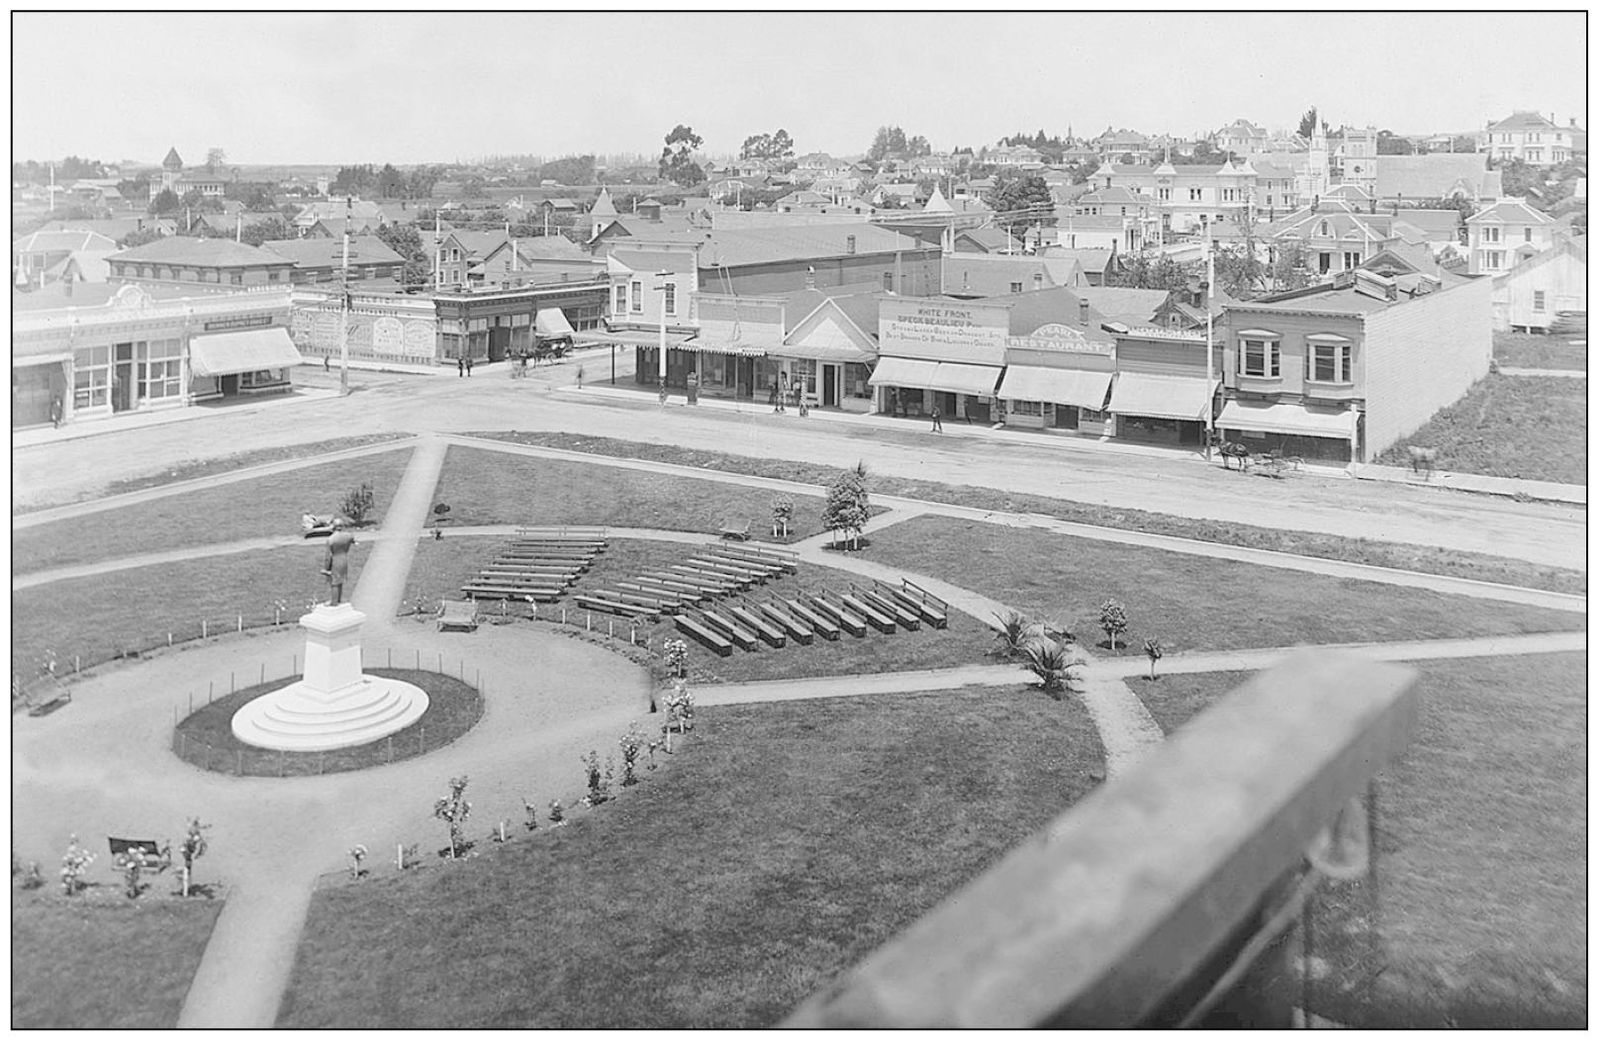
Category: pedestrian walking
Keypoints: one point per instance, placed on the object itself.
(936, 419)
(579, 375)
(774, 396)
(470, 366)
(459, 366)
(55, 412)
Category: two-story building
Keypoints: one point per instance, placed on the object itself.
(1335, 237)
(1530, 137)
(327, 261)
(1533, 295)
(1165, 386)
(1187, 195)
(1344, 369)
(1058, 364)
(1505, 234)
(53, 257)
(941, 354)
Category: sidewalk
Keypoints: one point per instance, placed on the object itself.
(1557, 492)
(83, 429)
(1526, 371)
(1547, 491)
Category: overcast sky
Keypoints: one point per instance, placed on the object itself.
(413, 88)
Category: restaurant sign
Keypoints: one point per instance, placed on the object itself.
(1057, 337)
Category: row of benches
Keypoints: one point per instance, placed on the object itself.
(536, 566)
(712, 573)
(744, 623)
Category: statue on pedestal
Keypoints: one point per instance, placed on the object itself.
(334, 563)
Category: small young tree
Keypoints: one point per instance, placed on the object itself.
(556, 815)
(595, 788)
(357, 854)
(532, 815)
(847, 505)
(780, 510)
(454, 809)
(630, 746)
(1112, 620)
(74, 865)
(193, 848)
(132, 863)
(358, 504)
(1155, 649)
(674, 657)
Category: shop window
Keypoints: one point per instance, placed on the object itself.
(236, 277)
(856, 381)
(1021, 408)
(1259, 357)
(162, 371)
(1331, 363)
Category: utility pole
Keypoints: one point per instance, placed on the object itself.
(663, 332)
(345, 302)
(1209, 339)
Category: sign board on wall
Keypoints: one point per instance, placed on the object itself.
(951, 331)
(385, 336)
(1057, 337)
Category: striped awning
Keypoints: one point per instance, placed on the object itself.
(831, 353)
(745, 349)
(244, 351)
(1086, 388)
(631, 338)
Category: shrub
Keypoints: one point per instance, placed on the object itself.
(780, 511)
(556, 815)
(1155, 649)
(674, 657)
(357, 854)
(74, 865)
(1017, 632)
(131, 863)
(1054, 663)
(454, 809)
(193, 848)
(630, 746)
(532, 816)
(358, 504)
(595, 786)
(847, 505)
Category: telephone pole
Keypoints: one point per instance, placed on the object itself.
(345, 303)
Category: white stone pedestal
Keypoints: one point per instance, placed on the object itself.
(334, 704)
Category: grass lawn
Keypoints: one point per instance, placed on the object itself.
(1491, 568)
(1477, 918)
(100, 961)
(1540, 351)
(206, 738)
(441, 567)
(488, 488)
(1512, 427)
(268, 506)
(99, 617)
(1173, 699)
(1187, 602)
(780, 846)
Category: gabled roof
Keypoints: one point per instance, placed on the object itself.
(1431, 176)
(1511, 212)
(326, 253)
(1523, 120)
(991, 275)
(1091, 259)
(603, 207)
(201, 253)
(989, 238)
(1435, 225)
(1132, 306)
(1033, 309)
(1566, 246)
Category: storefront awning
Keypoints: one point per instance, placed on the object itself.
(1161, 395)
(244, 351)
(1288, 418)
(965, 378)
(744, 349)
(824, 353)
(1086, 388)
(903, 373)
(551, 322)
(630, 338)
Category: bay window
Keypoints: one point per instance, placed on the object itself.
(1331, 360)
(1259, 354)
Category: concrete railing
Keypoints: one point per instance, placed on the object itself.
(1129, 907)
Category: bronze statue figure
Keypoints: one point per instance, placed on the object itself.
(334, 563)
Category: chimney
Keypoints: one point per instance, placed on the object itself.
(852, 244)
(1085, 311)
(1037, 281)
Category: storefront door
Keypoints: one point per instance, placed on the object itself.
(828, 392)
(122, 393)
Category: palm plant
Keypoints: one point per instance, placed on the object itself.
(1054, 662)
(1017, 632)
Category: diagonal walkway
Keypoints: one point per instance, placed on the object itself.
(384, 576)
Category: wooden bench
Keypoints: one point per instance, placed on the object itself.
(772, 636)
(634, 598)
(576, 562)
(605, 605)
(764, 570)
(689, 583)
(900, 613)
(930, 608)
(826, 629)
(46, 694)
(565, 575)
(661, 593)
(872, 616)
(524, 594)
(696, 629)
(722, 582)
(711, 565)
(153, 858)
(457, 615)
(839, 616)
(741, 637)
(798, 632)
(786, 562)
(736, 529)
